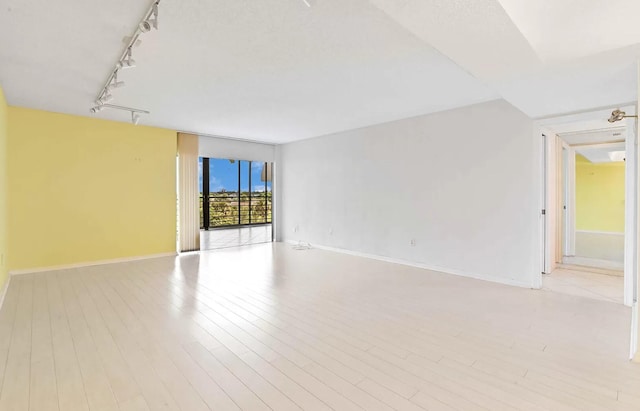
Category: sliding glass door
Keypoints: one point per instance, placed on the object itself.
(234, 193)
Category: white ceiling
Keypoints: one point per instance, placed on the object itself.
(600, 153)
(563, 30)
(278, 71)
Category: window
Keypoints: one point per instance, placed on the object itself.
(237, 192)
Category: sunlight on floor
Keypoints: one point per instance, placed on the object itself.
(234, 237)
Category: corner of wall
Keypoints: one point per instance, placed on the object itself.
(4, 135)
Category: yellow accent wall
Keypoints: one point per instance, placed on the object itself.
(4, 133)
(84, 189)
(599, 196)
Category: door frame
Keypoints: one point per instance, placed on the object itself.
(570, 230)
(556, 201)
(569, 203)
(549, 182)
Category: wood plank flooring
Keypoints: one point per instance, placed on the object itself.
(234, 237)
(598, 284)
(268, 327)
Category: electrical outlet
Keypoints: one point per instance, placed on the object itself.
(413, 242)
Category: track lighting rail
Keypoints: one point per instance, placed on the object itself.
(150, 21)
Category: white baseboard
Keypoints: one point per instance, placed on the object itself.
(3, 292)
(421, 265)
(593, 262)
(90, 264)
(616, 233)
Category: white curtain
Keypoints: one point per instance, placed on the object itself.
(188, 207)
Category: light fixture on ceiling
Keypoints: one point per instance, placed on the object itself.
(307, 3)
(150, 21)
(106, 98)
(135, 112)
(145, 26)
(115, 83)
(617, 115)
(617, 155)
(126, 62)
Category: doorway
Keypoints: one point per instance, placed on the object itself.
(235, 202)
(590, 261)
(589, 206)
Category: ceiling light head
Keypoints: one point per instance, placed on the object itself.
(145, 26)
(154, 14)
(96, 109)
(114, 85)
(125, 64)
(135, 118)
(127, 61)
(617, 115)
(114, 82)
(106, 98)
(151, 22)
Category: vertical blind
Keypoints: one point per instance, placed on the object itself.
(188, 208)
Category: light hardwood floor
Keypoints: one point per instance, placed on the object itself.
(234, 237)
(268, 327)
(586, 282)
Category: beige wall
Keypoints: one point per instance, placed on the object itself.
(600, 191)
(84, 190)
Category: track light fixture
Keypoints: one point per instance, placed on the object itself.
(135, 118)
(149, 22)
(126, 62)
(106, 98)
(145, 26)
(114, 82)
(135, 112)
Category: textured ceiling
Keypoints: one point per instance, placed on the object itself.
(278, 71)
(526, 50)
(563, 30)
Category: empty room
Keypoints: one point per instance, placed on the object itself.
(319, 205)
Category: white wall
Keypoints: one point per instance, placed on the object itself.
(600, 245)
(217, 147)
(462, 183)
